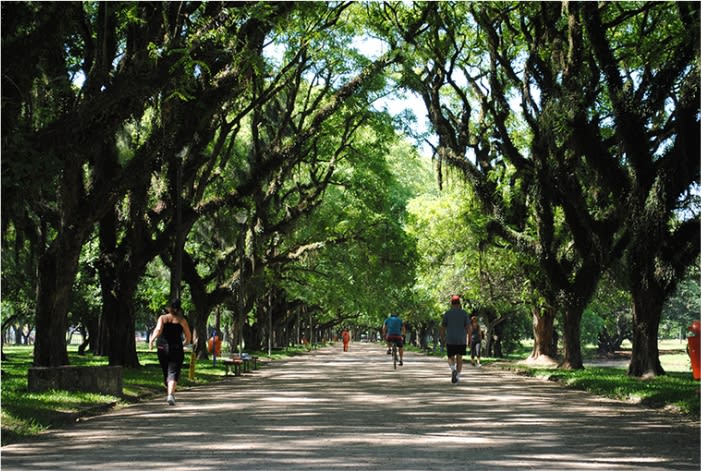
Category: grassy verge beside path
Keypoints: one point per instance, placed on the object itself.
(675, 392)
(25, 414)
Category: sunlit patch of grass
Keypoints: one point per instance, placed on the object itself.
(25, 414)
(287, 352)
(15, 428)
(677, 391)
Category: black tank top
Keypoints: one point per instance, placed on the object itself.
(172, 333)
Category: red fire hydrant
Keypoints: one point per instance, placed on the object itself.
(694, 337)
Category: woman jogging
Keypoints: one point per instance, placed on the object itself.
(474, 338)
(169, 331)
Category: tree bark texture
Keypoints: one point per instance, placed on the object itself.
(58, 267)
(572, 343)
(647, 312)
(645, 360)
(543, 327)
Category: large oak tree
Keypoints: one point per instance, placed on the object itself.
(578, 133)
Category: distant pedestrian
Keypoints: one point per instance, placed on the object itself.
(474, 340)
(346, 339)
(170, 329)
(454, 333)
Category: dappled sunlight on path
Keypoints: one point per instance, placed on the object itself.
(333, 410)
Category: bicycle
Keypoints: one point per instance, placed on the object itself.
(395, 353)
(394, 350)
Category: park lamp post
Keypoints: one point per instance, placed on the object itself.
(241, 217)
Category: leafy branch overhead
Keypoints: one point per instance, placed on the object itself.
(254, 159)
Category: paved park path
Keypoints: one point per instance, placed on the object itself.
(329, 410)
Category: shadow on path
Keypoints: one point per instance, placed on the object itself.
(333, 410)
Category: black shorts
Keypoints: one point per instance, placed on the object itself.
(171, 359)
(456, 350)
(398, 339)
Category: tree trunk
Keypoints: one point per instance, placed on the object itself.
(543, 326)
(576, 299)
(234, 337)
(494, 334)
(92, 328)
(423, 334)
(608, 342)
(251, 337)
(122, 349)
(200, 335)
(571, 339)
(103, 336)
(197, 319)
(117, 339)
(107, 271)
(120, 269)
(57, 269)
(123, 345)
(647, 311)
(88, 329)
(118, 285)
(204, 302)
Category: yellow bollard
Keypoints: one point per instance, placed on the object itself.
(193, 362)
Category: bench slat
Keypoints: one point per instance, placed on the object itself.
(233, 363)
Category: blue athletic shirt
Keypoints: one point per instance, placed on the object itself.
(394, 325)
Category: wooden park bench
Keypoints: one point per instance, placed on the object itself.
(240, 364)
(234, 364)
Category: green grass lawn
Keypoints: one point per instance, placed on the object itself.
(676, 392)
(25, 414)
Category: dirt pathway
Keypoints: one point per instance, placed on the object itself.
(328, 410)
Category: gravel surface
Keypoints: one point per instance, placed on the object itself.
(329, 410)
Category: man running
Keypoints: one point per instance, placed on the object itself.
(454, 334)
(393, 330)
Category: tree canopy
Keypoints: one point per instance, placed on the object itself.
(241, 156)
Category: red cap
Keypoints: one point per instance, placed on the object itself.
(455, 299)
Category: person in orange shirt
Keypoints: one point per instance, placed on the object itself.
(346, 339)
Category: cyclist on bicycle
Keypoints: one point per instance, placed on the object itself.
(393, 330)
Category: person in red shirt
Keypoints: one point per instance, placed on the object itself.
(454, 335)
(346, 339)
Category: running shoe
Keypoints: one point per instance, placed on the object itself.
(171, 400)
(454, 377)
